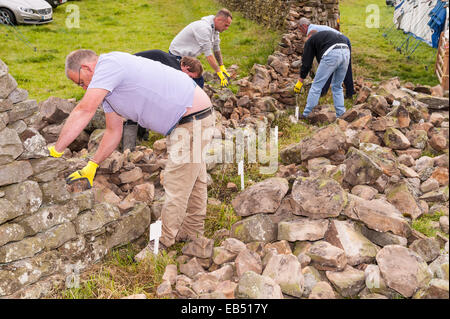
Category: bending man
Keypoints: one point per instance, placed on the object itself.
(191, 66)
(333, 55)
(306, 27)
(202, 37)
(166, 102)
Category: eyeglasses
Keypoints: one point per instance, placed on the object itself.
(79, 79)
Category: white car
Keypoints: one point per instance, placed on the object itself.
(25, 12)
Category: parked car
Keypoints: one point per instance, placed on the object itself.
(55, 3)
(25, 12)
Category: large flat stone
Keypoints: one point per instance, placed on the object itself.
(34, 144)
(403, 270)
(11, 232)
(263, 197)
(130, 226)
(15, 172)
(7, 85)
(25, 248)
(286, 271)
(58, 235)
(7, 210)
(27, 197)
(318, 198)
(325, 256)
(401, 197)
(22, 110)
(302, 229)
(378, 215)
(10, 146)
(360, 168)
(326, 141)
(49, 216)
(55, 192)
(357, 248)
(200, 247)
(99, 216)
(348, 282)
(258, 227)
(254, 286)
(382, 238)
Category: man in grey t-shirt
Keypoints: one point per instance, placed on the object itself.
(202, 37)
(159, 98)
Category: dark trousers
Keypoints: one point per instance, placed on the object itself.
(200, 80)
(348, 80)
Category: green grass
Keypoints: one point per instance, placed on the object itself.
(219, 217)
(118, 276)
(424, 224)
(373, 57)
(121, 25)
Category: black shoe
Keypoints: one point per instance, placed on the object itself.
(304, 118)
(349, 96)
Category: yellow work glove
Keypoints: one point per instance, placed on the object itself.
(298, 86)
(88, 173)
(223, 79)
(54, 153)
(224, 71)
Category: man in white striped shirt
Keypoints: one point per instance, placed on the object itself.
(202, 37)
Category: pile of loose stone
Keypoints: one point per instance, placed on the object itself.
(336, 222)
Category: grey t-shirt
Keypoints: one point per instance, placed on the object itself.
(196, 38)
(148, 92)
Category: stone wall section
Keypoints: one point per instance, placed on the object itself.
(274, 13)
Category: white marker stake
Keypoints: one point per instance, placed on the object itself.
(241, 172)
(276, 135)
(296, 112)
(155, 233)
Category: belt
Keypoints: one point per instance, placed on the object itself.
(340, 47)
(195, 116)
(335, 46)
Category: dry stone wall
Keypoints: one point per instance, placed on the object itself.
(273, 13)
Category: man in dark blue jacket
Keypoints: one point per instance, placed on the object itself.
(333, 54)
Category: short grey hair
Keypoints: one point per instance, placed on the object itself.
(304, 21)
(76, 58)
(224, 13)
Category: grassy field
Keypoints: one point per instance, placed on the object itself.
(121, 25)
(374, 57)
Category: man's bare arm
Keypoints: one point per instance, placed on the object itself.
(111, 138)
(212, 62)
(218, 56)
(79, 117)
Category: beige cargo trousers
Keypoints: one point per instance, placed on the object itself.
(185, 181)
